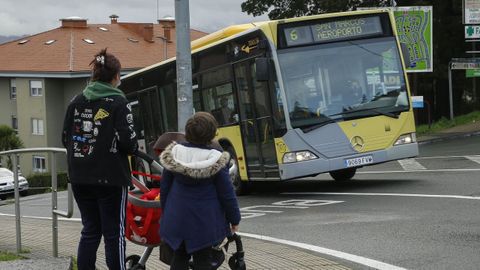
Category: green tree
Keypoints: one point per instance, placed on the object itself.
(280, 9)
(9, 140)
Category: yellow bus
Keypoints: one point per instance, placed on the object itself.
(294, 97)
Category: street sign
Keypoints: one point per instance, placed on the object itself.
(471, 11)
(471, 73)
(460, 65)
(472, 31)
(417, 102)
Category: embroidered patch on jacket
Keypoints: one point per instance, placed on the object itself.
(101, 114)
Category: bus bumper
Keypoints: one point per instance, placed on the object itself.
(320, 165)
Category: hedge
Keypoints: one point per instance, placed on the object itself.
(41, 183)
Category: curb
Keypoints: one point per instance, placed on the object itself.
(38, 264)
(451, 137)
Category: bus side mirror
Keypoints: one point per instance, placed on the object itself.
(262, 69)
(406, 55)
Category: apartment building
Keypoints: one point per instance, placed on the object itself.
(40, 74)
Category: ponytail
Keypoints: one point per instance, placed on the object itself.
(105, 66)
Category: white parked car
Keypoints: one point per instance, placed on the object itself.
(6, 183)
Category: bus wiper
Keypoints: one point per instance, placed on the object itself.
(319, 125)
(389, 114)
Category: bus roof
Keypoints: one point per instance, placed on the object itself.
(235, 30)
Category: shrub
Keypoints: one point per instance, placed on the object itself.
(41, 183)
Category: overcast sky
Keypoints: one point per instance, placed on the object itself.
(19, 17)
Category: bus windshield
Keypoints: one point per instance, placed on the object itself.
(343, 80)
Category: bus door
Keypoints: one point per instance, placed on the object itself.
(151, 116)
(256, 123)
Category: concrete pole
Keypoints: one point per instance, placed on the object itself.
(184, 63)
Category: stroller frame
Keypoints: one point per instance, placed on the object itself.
(136, 262)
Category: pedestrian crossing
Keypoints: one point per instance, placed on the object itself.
(474, 158)
(427, 164)
(411, 165)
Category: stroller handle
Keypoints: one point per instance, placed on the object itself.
(151, 161)
(238, 241)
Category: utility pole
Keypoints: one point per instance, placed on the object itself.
(184, 63)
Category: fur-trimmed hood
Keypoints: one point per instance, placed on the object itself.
(193, 161)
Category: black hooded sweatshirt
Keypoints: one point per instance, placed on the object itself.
(98, 134)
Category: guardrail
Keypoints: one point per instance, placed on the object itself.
(55, 212)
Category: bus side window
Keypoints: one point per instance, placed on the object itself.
(197, 102)
(220, 103)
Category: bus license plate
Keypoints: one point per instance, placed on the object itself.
(359, 161)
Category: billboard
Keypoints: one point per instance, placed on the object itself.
(415, 31)
(471, 11)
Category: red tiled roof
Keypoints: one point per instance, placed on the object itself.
(70, 53)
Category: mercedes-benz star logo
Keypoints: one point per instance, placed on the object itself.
(357, 143)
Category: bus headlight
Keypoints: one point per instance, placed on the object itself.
(291, 157)
(406, 138)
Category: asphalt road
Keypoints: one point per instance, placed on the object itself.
(387, 212)
(418, 214)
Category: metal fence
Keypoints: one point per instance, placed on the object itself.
(14, 154)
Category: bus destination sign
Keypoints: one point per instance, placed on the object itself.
(333, 31)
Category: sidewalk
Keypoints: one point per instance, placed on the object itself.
(461, 131)
(37, 239)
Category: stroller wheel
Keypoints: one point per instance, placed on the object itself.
(132, 263)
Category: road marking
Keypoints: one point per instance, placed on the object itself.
(474, 158)
(422, 171)
(386, 194)
(44, 218)
(346, 256)
(335, 253)
(259, 210)
(445, 157)
(411, 164)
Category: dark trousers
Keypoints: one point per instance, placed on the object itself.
(201, 259)
(103, 213)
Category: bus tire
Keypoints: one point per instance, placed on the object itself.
(344, 174)
(240, 187)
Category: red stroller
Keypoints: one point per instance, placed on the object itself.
(144, 212)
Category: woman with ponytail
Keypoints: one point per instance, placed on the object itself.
(98, 133)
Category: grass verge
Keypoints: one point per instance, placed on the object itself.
(74, 263)
(445, 123)
(7, 256)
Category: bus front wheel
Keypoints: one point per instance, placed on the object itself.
(240, 187)
(343, 175)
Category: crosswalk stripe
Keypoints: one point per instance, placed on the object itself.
(474, 158)
(411, 165)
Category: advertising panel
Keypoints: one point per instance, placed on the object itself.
(415, 29)
(471, 11)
